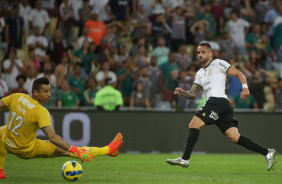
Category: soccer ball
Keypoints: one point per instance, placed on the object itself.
(72, 170)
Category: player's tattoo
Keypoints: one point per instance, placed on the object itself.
(193, 93)
(55, 139)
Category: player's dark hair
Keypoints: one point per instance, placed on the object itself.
(206, 44)
(39, 82)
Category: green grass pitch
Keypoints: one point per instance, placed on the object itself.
(148, 169)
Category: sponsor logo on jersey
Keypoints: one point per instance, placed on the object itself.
(26, 103)
(225, 67)
(213, 115)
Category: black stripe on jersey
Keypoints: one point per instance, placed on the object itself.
(209, 64)
(198, 85)
(228, 68)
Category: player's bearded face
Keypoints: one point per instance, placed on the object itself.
(44, 94)
(203, 54)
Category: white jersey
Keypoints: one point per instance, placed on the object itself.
(213, 78)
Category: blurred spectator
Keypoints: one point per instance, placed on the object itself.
(76, 5)
(158, 7)
(227, 44)
(21, 79)
(217, 10)
(257, 85)
(32, 61)
(108, 98)
(100, 5)
(261, 8)
(39, 17)
(47, 71)
(253, 38)
(12, 67)
(63, 70)
(57, 46)
(170, 70)
(30, 77)
(138, 97)
(38, 42)
(117, 9)
(55, 98)
(246, 11)
(266, 51)
(82, 38)
(210, 17)
(278, 41)
(85, 57)
(77, 82)
(3, 43)
(84, 14)
(25, 10)
(105, 73)
(254, 62)
(14, 29)
(141, 24)
(184, 82)
(277, 92)
(140, 42)
(156, 77)
(120, 58)
(178, 26)
(239, 103)
(90, 92)
(68, 97)
(160, 28)
(4, 90)
(126, 78)
(144, 78)
(198, 29)
(161, 51)
(6, 7)
(66, 20)
(175, 3)
(214, 45)
(238, 28)
(97, 29)
(140, 60)
(270, 17)
(182, 59)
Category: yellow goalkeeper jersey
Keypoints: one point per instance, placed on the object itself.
(26, 115)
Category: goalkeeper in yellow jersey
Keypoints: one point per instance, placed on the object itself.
(26, 115)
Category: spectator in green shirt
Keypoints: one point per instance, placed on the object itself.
(77, 82)
(108, 98)
(68, 97)
(55, 98)
(90, 92)
(249, 103)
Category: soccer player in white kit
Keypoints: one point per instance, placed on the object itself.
(217, 110)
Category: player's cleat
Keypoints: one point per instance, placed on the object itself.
(115, 145)
(2, 175)
(270, 158)
(178, 161)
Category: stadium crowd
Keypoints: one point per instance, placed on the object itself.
(143, 48)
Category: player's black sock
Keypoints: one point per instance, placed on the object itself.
(191, 141)
(250, 145)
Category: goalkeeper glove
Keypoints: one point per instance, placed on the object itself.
(82, 154)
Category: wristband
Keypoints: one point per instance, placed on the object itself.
(244, 86)
(72, 149)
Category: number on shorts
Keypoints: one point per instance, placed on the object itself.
(18, 119)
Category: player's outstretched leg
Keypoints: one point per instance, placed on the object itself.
(112, 149)
(270, 158)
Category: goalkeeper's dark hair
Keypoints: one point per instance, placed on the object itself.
(38, 83)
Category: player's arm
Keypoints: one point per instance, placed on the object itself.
(2, 106)
(192, 94)
(236, 73)
(57, 140)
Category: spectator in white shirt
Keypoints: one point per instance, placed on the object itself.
(100, 5)
(25, 10)
(83, 37)
(3, 87)
(104, 74)
(39, 17)
(38, 42)
(12, 67)
(29, 80)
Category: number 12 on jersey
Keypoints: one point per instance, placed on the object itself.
(19, 119)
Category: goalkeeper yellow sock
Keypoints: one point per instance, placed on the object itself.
(95, 151)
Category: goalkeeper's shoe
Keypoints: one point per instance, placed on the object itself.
(2, 175)
(115, 145)
(178, 161)
(270, 158)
